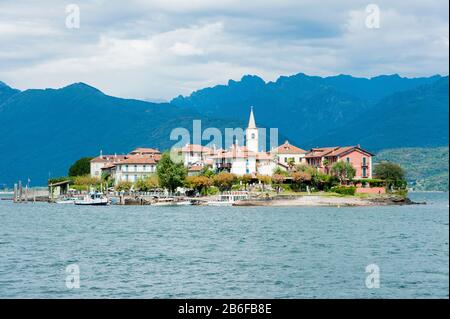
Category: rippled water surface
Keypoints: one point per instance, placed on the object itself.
(211, 252)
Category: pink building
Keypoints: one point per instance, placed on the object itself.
(323, 158)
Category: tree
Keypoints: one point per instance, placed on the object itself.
(81, 167)
(199, 183)
(392, 173)
(278, 178)
(343, 170)
(207, 171)
(301, 177)
(124, 186)
(171, 175)
(224, 180)
(246, 178)
(264, 180)
(147, 184)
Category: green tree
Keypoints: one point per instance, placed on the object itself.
(81, 167)
(124, 186)
(392, 173)
(171, 175)
(147, 184)
(343, 171)
(207, 171)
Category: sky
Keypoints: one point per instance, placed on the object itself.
(159, 49)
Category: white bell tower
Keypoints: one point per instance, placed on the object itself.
(251, 133)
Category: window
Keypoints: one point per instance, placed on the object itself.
(285, 159)
(348, 159)
(135, 168)
(126, 177)
(364, 172)
(253, 136)
(364, 161)
(126, 168)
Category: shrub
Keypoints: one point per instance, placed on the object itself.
(344, 190)
(86, 180)
(375, 182)
(224, 180)
(211, 191)
(199, 183)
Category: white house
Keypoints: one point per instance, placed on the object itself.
(133, 168)
(288, 153)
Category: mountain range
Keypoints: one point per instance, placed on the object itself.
(43, 131)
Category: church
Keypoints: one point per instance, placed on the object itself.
(239, 160)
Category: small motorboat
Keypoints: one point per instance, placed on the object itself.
(67, 200)
(93, 199)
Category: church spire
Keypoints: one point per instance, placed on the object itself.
(251, 121)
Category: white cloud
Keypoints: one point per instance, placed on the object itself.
(162, 48)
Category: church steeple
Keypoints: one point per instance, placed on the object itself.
(251, 134)
(251, 121)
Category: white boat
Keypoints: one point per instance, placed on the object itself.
(93, 199)
(68, 200)
(229, 198)
(184, 203)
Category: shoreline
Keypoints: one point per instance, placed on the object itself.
(330, 201)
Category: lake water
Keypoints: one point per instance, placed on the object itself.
(230, 252)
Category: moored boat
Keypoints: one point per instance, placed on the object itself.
(93, 199)
(68, 200)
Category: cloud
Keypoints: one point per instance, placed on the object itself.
(159, 49)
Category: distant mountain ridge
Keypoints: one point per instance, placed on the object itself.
(315, 111)
(43, 131)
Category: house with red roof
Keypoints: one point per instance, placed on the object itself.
(323, 159)
(288, 154)
(138, 164)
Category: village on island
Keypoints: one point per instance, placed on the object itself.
(241, 175)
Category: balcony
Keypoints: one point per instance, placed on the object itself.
(223, 166)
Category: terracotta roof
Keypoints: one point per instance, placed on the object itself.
(144, 150)
(139, 159)
(196, 148)
(107, 158)
(333, 151)
(287, 148)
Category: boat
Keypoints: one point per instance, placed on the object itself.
(68, 200)
(229, 198)
(93, 199)
(183, 203)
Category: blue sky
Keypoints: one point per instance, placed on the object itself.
(163, 48)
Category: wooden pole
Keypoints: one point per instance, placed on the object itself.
(15, 193)
(20, 191)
